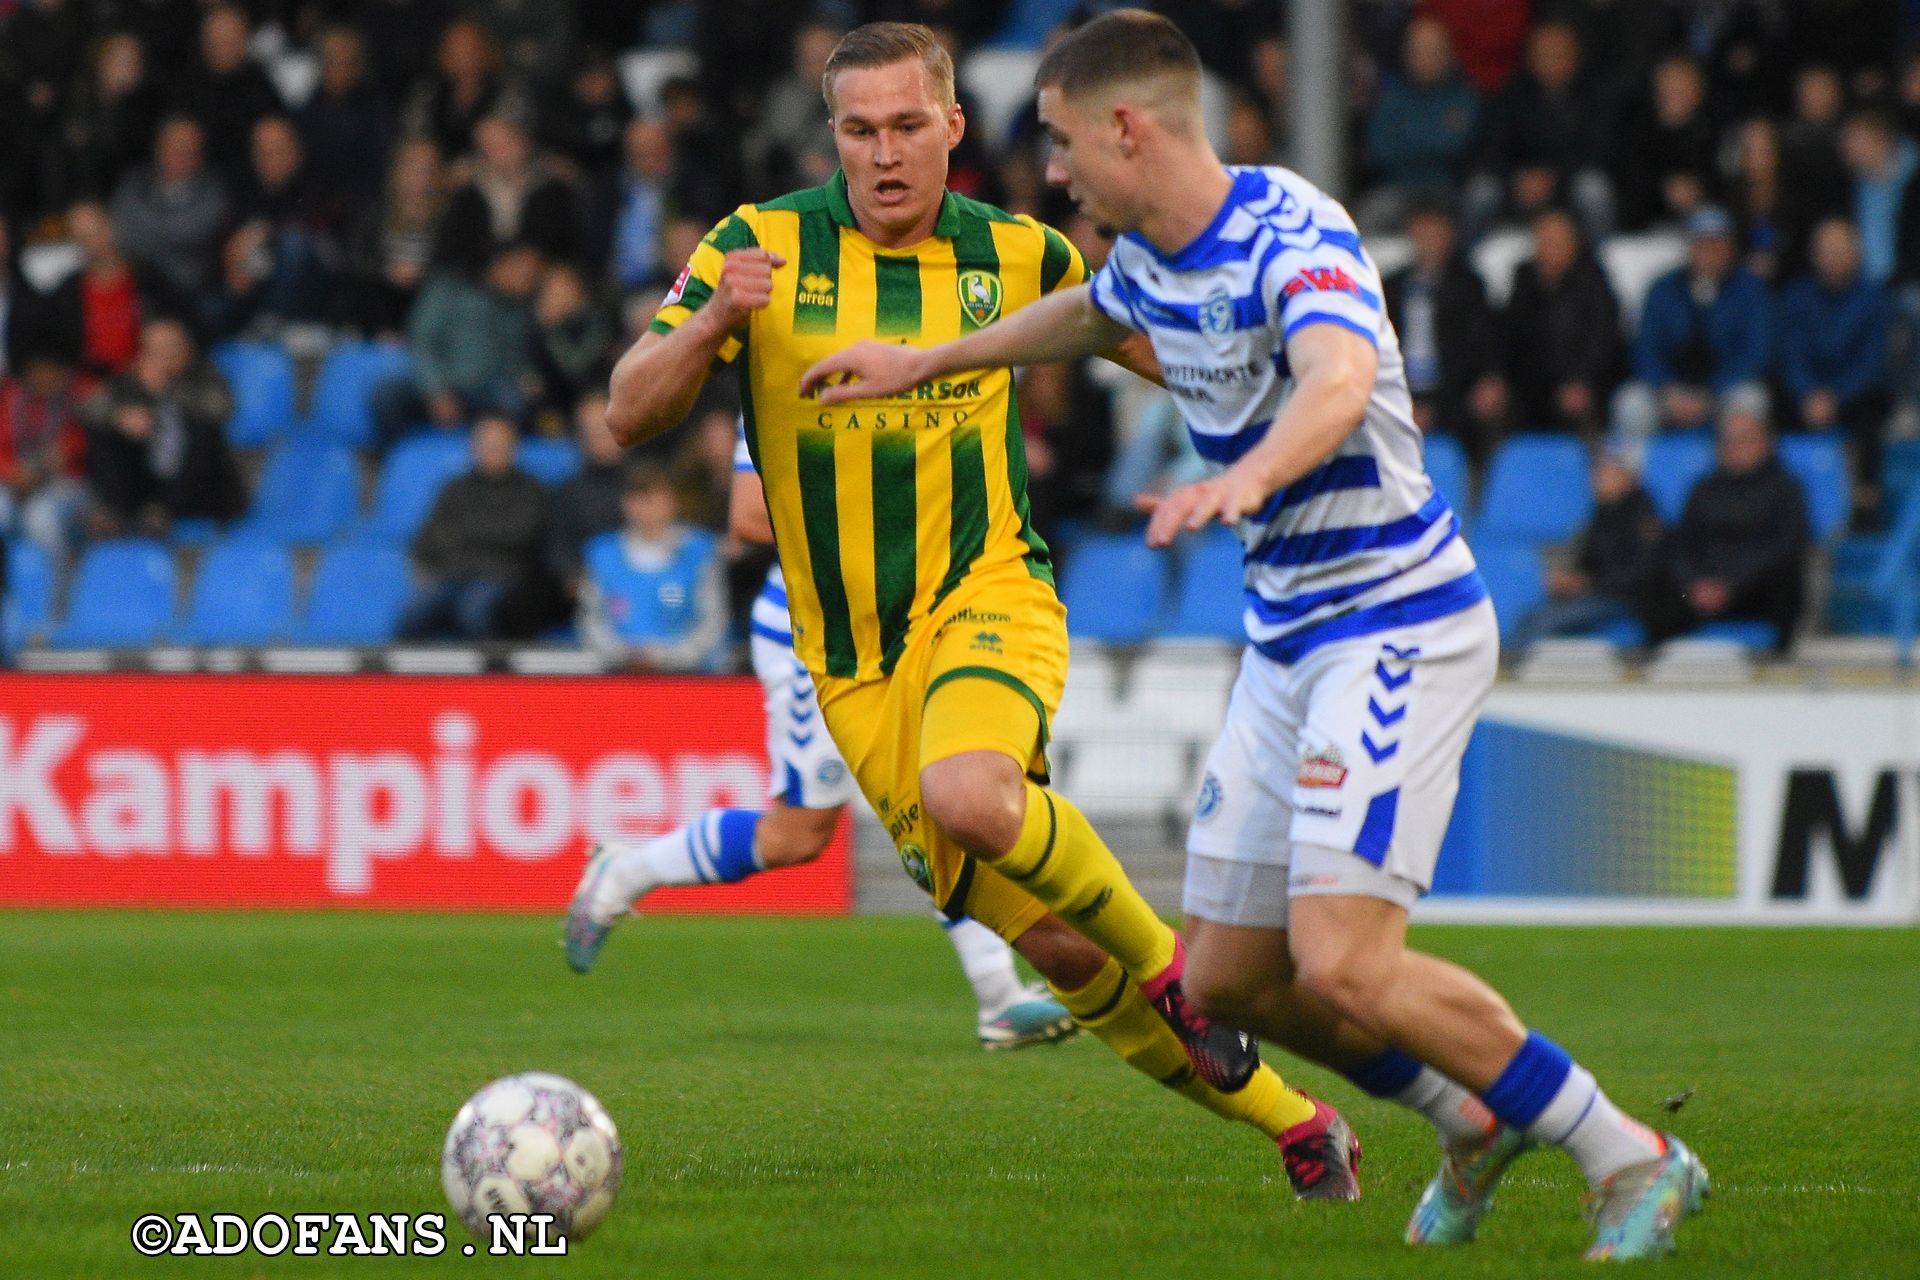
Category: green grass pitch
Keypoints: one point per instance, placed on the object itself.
(805, 1099)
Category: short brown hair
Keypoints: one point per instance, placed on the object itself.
(881, 44)
(1127, 44)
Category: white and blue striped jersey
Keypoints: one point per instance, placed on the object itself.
(770, 617)
(1362, 544)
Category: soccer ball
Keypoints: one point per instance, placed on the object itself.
(532, 1143)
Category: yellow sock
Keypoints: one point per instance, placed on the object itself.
(1112, 1008)
(1060, 860)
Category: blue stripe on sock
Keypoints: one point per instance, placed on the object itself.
(1387, 1074)
(735, 861)
(1529, 1082)
(796, 791)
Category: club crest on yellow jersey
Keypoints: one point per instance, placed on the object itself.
(980, 296)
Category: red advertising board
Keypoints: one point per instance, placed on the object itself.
(477, 793)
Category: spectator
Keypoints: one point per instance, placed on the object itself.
(92, 318)
(1615, 559)
(511, 199)
(706, 153)
(1447, 335)
(465, 87)
(1545, 141)
(470, 346)
(1834, 327)
(1810, 161)
(793, 115)
(1668, 160)
(1562, 342)
(1740, 548)
(157, 446)
(392, 243)
(109, 128)
(585, 124)
(1705, 330)
(653, 597)
(639, 203)
(589, 502)
(346, 128)
(481, 543)
(702, 466)
(1883, 164)
(279, 261)
(570, 341)
(1773, 214)
(227, 92)
(168, 216)
(1488, 35)
(43, 451)
(1423, 122)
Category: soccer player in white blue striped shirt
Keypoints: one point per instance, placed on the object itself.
(1372, 642)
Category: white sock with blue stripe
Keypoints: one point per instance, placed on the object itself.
(1399, 1077)
(715, 848)
(988, 963)
(1556, 1100)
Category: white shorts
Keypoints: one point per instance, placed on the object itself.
(1351, 757)
(805, 770)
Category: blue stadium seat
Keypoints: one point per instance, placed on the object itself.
(122, 596)
(1623, 633)
(1819, 461)
(341, 410)
(1538, 490)
(26, 606)
(243, 594)
(359, 589)
(194, 531)
(1673, 465)
(551, 462)
(1854, 606)
(307, 493)
(412, 478)
(1516, 579)
(1748, 634)
(261, 376)
(1899, 471)
(1114, 588)
(1210, 598)
(1452, 475)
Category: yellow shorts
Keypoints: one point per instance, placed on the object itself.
(983, 673)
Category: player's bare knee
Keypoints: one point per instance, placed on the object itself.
(978, 799)
(789, 837)
(1340, 984)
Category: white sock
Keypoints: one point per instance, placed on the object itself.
(701, 852)
(988, 963)
(1597, 1134)
(1457, 1114)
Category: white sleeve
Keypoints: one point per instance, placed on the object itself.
(1113, 295)
(1325, 285)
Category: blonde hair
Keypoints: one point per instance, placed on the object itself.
(881, 44)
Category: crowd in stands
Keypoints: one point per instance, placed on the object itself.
(488, 183)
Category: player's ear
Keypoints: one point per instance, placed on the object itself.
(956, 126)
(1124, 122)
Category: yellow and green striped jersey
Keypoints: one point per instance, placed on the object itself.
(881, 507)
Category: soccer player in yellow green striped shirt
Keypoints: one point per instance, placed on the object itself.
(922, 598)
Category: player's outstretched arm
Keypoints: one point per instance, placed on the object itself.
(656, 382)
(1060, 326)
(1333, 370)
